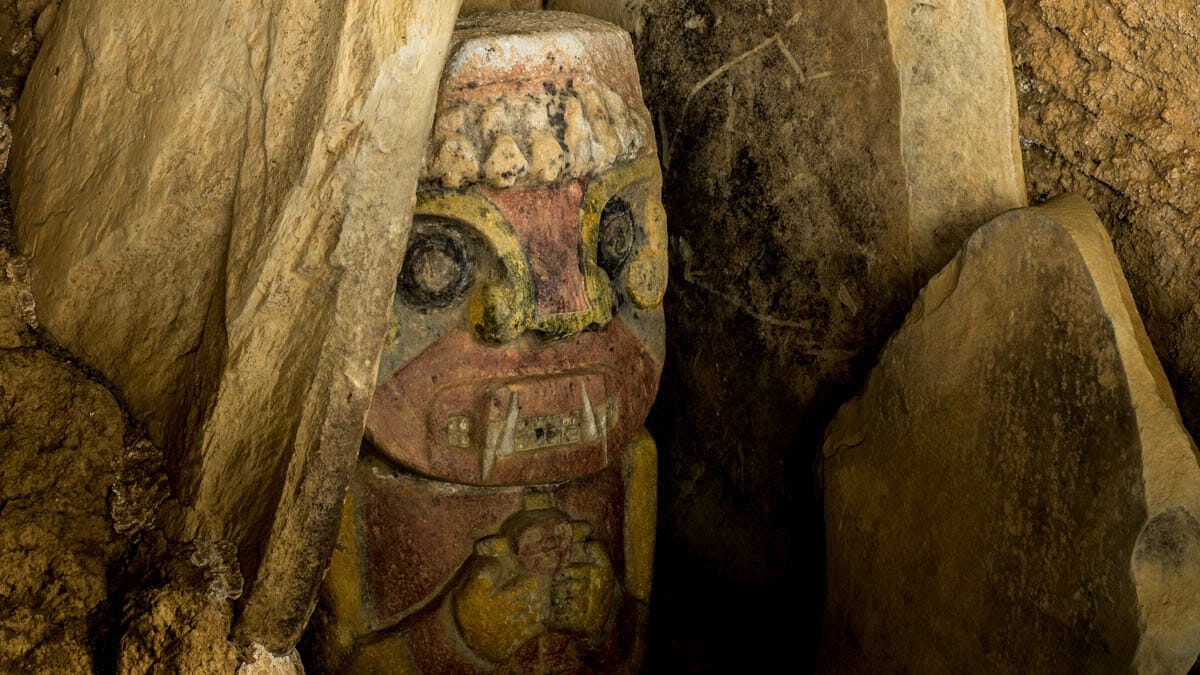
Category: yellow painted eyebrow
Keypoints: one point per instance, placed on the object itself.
(602, 189)
(500, 321)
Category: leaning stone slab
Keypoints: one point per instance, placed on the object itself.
(958, 121)
(214, 202)
(1013, 490)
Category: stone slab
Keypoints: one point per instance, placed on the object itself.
(214, 203)
(1014, 490)
(958, 121)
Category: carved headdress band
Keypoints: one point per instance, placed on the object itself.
(537, 106)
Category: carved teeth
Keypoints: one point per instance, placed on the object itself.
(546, 157)
(506, 164)
(508, 440)
(455, 162)
(458, 431)
(517, 434)
(589, 417)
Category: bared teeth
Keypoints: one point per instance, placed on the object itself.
(589, 416)
(500, 440)
(508, 439)
(458, 431)
(536, 432)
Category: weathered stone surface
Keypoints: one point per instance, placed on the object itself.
(259, 661)
(1108, 95)
(59, 437)
(1014, 491)
(474, 6)
(138, 490)
(20, 40)
(811, 176)
(958, 121)
(23, 26)
(213, 202)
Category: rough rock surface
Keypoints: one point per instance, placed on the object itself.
(958, 119)
(64, 557)
(473, 6)
(819, 157)
(1109, 93)
(259, 661)
(60, 435)
(213, 203)
(1014, 490)
(23, 26)
(177, 623)
(17, 316)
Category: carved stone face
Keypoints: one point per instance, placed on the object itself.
(527, 337)
(503, 520)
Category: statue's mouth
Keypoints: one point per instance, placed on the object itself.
(545, 413)
(484, 415)
(536, 414)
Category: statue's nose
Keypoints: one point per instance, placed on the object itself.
(569, 292)
(563, 294)
(559, 285)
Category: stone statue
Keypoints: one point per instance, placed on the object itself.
(502, 512)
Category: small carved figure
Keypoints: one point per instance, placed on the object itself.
(501, 516)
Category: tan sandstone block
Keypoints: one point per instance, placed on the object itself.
(212, 219)
(474, 6)
(1014, 491)
(958, 121)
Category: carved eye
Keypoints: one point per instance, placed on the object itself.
(616, 237)
(438, 268)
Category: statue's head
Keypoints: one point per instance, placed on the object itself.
(527, 334)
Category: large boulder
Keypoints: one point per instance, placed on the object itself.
(215, 201)
(1014, 490)
(822, 159)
